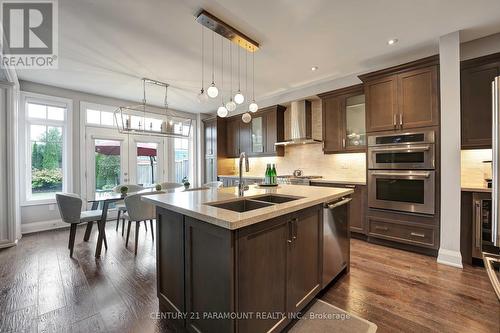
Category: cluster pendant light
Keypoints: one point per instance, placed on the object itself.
(234, 36)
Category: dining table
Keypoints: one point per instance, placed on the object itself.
(104, 200)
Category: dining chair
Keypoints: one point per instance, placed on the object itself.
(70, 208)
(137, 211)
(120, 207)
(170, 185)
(215, 184)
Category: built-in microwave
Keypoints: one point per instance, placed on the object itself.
(402, 151)
(410, 191)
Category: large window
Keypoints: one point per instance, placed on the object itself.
(45, 145)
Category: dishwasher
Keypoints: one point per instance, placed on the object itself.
(335, 238)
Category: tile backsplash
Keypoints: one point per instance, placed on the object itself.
(311, 160)
(472, 170)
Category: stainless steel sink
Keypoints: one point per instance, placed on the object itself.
(241, 206)
(276, 199)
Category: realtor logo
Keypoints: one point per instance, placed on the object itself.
(29, 34)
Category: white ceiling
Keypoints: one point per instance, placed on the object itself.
(105, 47)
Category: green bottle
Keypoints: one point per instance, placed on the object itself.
(274, 175)
(267, 176)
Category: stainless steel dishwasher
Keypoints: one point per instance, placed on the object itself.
(335, 238)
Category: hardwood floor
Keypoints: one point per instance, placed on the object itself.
(42, 289)
(407, 292)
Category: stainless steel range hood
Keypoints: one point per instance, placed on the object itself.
(300, 125)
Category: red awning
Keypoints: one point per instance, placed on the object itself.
(115, 150)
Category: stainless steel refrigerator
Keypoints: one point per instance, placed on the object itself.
(491, 256)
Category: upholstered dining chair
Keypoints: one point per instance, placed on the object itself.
(120, 207)
(137, 211)
(215, 184)
(170, 185)
(70, 208)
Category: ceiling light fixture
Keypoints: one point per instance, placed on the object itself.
(239, 98)
(212, 91)
(202, 96)
(230, 105)
(145, 126)
(392, 41)
(222, 110)
(314, 68)
(216, 25)
(253, 107)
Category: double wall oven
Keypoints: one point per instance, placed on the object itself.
(402, 171)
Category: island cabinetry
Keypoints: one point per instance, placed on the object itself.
(258, 274)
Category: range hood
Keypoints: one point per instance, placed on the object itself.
(300, 125)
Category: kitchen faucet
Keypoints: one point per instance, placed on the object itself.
(241, 186)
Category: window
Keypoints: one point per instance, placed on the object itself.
(98, 115)
(183, 157)
(46, 148)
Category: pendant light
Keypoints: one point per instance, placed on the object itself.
(222, 110)
(253, 107)
(212, 91)
(239, 98)
(231, 105)
(202, 96)
(246, 117)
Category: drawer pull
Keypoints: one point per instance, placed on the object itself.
(416, 234)
(381, 228)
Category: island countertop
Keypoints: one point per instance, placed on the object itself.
(194, 203)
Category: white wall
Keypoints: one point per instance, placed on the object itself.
(449, 58)
(34, 218)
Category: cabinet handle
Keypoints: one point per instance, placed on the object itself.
(294, 225)
(401, 120)
(290, 231)
(343, 143)
(381, 228)
(394, 120)
(478, 224)
(416, 234)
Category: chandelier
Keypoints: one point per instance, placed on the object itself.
(136, 120)
(234, 99)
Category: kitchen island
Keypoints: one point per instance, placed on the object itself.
(239, 264)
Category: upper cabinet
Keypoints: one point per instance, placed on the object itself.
(476, 77)
(344, 120)
(403, 97)
(258, 137)
(213, 130)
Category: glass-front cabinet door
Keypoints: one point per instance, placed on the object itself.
(258, 135)
(355, 122)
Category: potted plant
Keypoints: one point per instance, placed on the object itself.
(124, 190)
(185, 182)
(158, 187)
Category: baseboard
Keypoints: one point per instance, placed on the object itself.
(28, 228)
(450, 258)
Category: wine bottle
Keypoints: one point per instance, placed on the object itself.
(274, 175)
(267, 176)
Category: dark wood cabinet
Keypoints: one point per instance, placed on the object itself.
(262, 264)
(343, 115)
(304, 259)
(258, 137)
(476, 100)
(357, 207)
(213, 129)
(403, 97)
(272, 267)
(233, 137)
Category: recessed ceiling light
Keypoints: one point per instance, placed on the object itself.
(314, 68)
(392, 41)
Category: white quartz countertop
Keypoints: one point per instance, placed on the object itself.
(315, 180)
(193, 203)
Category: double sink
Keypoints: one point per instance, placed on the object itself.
(248, 204)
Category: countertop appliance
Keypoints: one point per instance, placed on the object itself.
(491, 256)
(296, 180)
(401, 171)
(336, 246)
